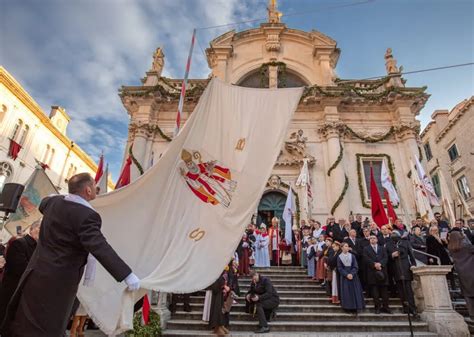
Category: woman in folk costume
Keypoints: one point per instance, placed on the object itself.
(317, 229)
(243, 250)
(327, 275)
(320, 270)
(274, 243)
(304, 245)
(351, 296)
(332, 269)
(262, 258)
(311, 255)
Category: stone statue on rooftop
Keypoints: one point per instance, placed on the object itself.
(158, 61)
(390, 62)
(273, 14)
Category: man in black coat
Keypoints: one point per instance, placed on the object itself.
(19, 254)
(352, 242)
(357, 225)
(70, 230)
(459, 226)
(400, 252)
(376, 259)
(264, 297)
(361, 244)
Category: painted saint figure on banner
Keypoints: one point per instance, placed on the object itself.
(210, 182)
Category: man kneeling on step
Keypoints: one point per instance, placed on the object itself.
(262, 299)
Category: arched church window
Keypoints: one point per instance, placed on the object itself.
(46, 154)
(24, 133)
(256, 79)
(6, 173)
(17, 129)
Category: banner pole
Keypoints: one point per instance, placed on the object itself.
(184, 85)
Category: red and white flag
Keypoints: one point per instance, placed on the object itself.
(100, 169)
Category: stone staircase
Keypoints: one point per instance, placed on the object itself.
(304, 310)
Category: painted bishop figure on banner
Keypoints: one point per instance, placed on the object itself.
(209, 181)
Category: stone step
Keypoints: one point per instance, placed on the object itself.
(283, 308)
(366, 316)
(296, 287)
(285, 281)
(297, 326)
(197, 333)
(290, 300)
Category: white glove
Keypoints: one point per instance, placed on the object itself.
(133, 282)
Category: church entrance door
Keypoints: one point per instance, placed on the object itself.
(271, 205)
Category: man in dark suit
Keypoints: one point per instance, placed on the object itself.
(357, 225)
(361, 244)
(338, 231)
(352, 242)
(264, 297)
(400, 252)
(376, 259)
(19, 254)
(384, 235)
(460, 227)
(70, 230)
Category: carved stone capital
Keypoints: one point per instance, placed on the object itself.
(332, 129)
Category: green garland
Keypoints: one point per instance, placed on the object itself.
(152, 329)
(338, 160)
(135, 161)
(389, 133)
(346, 90)
(281, 73)
(391, 171)
(152, 129)
(341, 196)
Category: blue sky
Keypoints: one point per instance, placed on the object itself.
(78, 53)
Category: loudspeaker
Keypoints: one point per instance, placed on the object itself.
(10, 197)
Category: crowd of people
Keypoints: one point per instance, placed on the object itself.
(352, 259)
(355, 259)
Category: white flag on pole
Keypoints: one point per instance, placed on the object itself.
(388, 185)
(446, 198)
(421, 199)
(304, 181)
(427, 185)
(288, 215)
(102, 184)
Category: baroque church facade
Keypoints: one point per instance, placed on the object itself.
(341, 128)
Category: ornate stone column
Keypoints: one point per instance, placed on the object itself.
(332, 130)
(436, 307)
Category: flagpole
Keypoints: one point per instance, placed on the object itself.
(184, 85)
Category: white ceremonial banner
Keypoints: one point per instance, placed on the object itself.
(427, 184)
(178, 225)
(304, 182)
(288, 215)
(388, 185)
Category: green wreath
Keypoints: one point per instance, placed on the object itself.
(388, 134)
(341, 196)
(281, 73)
(135, 161)
(338, 160)
(152, 329)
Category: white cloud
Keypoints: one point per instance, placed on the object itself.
(78, 53)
